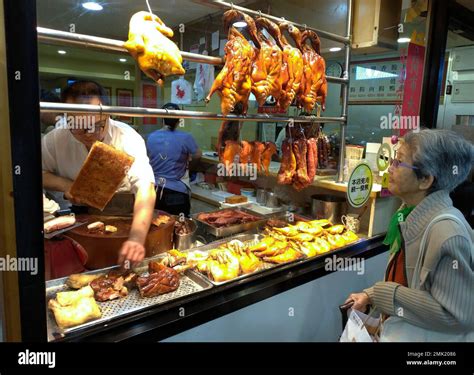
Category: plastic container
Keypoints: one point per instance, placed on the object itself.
(247, 192)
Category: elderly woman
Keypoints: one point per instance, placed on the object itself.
(428, 292)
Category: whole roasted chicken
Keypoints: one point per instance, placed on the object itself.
(231, 154)
(233, 83)
(266, 68)
(292, 67)
(148, 43)
(313, 84)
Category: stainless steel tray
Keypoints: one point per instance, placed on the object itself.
(231, 229)
(190, 283)
(244, 238)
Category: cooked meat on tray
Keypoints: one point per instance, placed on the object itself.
(112, 286)
(78, 280)
(225, 218)
(161, 280)
(73, 308)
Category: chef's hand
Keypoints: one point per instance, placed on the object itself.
(131, 252)
(73, 199)
(361, 300)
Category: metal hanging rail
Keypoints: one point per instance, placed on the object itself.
(226, 5)
(345, 94)
(106, 44)
(166, 113)
(64, 37)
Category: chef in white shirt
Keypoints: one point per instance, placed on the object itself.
(65, 149)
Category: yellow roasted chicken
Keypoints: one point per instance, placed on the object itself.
(148, 43)
(73, 308)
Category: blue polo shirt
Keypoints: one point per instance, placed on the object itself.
(169, 152)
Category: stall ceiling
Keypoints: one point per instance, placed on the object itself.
(112, 21)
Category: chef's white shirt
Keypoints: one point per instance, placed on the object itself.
(63, 155)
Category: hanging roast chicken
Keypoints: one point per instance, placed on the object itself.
(267, 65)
(292, 67)
(313, 84)
(233, 83)
(148, 43)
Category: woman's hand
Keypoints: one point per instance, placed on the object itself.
(361, 300)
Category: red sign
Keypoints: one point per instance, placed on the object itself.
(149, 101)
(413, 83)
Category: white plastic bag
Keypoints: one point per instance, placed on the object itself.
(360, 327)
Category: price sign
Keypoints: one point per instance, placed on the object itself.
(360, 185)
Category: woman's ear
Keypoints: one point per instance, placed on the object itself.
(425, 183)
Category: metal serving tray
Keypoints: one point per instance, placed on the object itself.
(190, 283)
(244, 238)
(231, 229)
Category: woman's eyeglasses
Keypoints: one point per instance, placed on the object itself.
(395, 163)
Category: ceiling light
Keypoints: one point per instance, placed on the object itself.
(403, 40)
(335, 49)
(123, 60)
(90, 5)
(239, 24)
(62, 52)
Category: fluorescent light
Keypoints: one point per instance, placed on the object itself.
(403, 40)
(335, 49)
(90, 5)
(62, 52)
(367, 73)
(239, 24)
(123, 60)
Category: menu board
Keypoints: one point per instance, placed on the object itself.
(376, 81)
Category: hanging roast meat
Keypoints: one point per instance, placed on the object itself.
(313, 84)
(288, 164)
(266, 68)
(301, 179)
(148, 43)
(312, 158)
(266, 156)
(257, 151)
(292, 67)
(233, 83)
(161, 280)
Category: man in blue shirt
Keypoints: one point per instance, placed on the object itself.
(170, 151)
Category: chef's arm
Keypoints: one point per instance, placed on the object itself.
(142, 213)
(56, 183)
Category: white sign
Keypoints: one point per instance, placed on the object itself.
(215, 40)
(360, 185)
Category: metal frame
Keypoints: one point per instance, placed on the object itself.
(150, 112)
(62, 37)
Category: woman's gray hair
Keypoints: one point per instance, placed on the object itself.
(442, 154)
